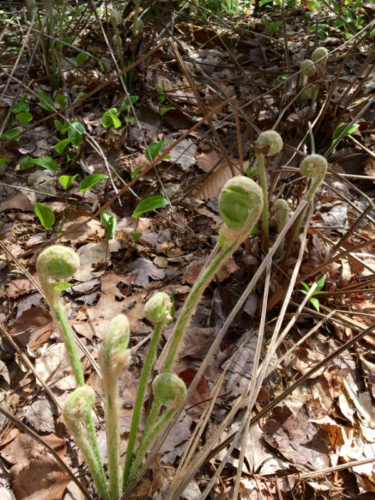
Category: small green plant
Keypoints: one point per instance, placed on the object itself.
(165, 110)
(148, 204)
(90, 181)
(45, 215)
(271, 27)
(111, 116)
(153, 150)
(22, 111)
(338, 131)
(321, 28)
(75, 132)
(14, 133)
(161, 92)
(320, 284)
(269, 142)
(109, 221)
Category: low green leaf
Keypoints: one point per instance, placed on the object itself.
(305, 285)
(60, 146)
(76, 135)
(128, 120)
(67, 180)
(3, 160)
(48, 105)
(149, 204)
(161, 93)
(81, 58)
(61, 100)
(340, 129)
(45, 215)
(154, 149)
(111, 117)
(304, 292)
(135, 172)
(90, 181)
(46, 162)
(12, 134)
(26, 162)
(58, 125)
(21, 107)
(109, 221)
(165, 110)
(135, 235)
(320, 283)
(126, 105)
(315, 303)
(68, 39)
(65, 128)
(60, 286)
(24, 118)
(104, 67)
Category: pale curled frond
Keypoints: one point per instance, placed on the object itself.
(169, 389)
(158, 308)
(241, 203)
(308, 67)
(314, 166)
(78, 405)
(281, 213)
(115, 18)
(270, 138)
(57, 262)
(114, 354)
(320, 55)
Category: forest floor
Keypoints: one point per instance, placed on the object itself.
(197, 90)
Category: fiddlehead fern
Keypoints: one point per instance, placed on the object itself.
(320, 56)
(169, 390)
(240, 205)
(275, 143)
(307, 68)
(113, 357)
(282, 215)
(157, 310)
(77, 412)
(61, 262)
(314, 167)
